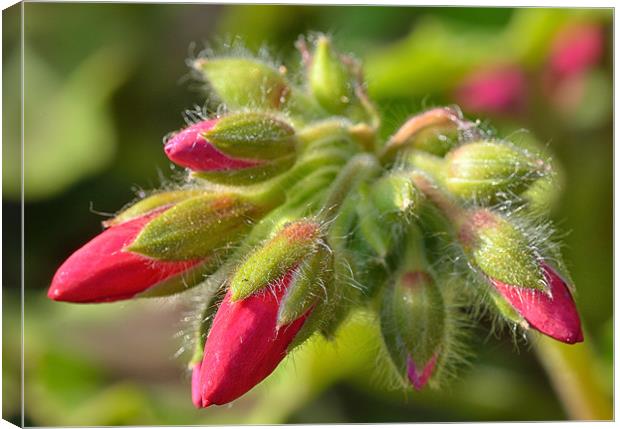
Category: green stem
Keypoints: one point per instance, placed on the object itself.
(572, 371)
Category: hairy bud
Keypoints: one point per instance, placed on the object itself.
(486, 170)
(244, 82)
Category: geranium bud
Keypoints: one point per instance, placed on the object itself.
(244, 344)
(413, 325)
(551, 312)
(498, 90)
(151, 203)
(103, 270)
(278, 255)
(244, 82)
(236, 149)
(575, 49)
(196, 227)
(500, 250)
(329, 78)
(487, 170)
(252, 135)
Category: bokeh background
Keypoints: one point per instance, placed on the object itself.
(105, 82)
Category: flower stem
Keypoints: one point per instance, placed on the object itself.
(572, 371)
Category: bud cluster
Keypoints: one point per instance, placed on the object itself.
(294, 212)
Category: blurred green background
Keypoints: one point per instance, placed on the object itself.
(105, 82)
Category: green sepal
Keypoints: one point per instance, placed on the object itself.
(306, 288)
(151, 203)
(490, 170)
(252, 135)
(197, 227)
(244, 82)
(250, 175)
(501, 250)
(329, 78)
(281, 253)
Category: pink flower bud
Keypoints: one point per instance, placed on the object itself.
(498, 90)
(575, 49)
(553, 313)
(244, 345)
(190, 149)
(102, 271)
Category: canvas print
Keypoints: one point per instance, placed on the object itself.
(278, 214)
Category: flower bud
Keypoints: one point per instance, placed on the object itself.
(244, 82)
(329, 79)
(413, 325)
(485, 170)
(103, 270)
(236, 149)
(197, 227)
(244, 344)
(500, 250)
(278, 255)
(252, 135)
(553, 313)
(500, 90)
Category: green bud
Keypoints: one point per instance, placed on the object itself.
(253, 135)
(413, 317)
(286, 249)
(306, 289)
(485, 170)
(329, 79)
(197, 227)
(244, 82)
(152, 203)
(500, 250)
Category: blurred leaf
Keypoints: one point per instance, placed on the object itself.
(68, 129)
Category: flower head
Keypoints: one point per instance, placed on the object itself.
(244, 344)
(103, 270)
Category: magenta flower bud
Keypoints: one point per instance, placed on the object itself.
(244, 344)
(551, 312)
(102, 271)
(500, 90)
(190, 149)
(575, 49)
